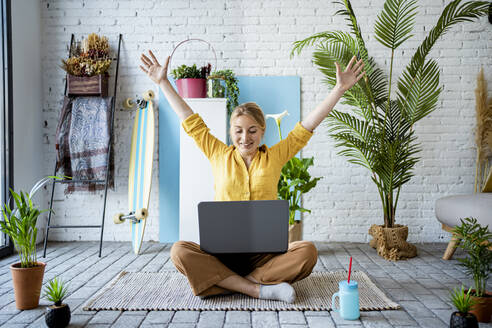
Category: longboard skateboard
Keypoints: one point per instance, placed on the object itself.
(140, 172)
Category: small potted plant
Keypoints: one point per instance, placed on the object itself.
(58, 314)
(87, 67)
(475, 240)
(463, 302)
(19, 223)
(191, 81)
(294, 181)
(215, 88)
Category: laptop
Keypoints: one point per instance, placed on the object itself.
(257, 226)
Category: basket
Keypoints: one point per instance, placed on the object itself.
(192, 88)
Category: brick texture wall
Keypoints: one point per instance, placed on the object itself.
(255, 38)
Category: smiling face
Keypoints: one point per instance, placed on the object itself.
(246, 135)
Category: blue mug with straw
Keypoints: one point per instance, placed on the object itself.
(348, 294)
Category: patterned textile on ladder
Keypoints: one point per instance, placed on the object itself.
(82, 140)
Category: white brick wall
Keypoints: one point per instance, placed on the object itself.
(255, 38)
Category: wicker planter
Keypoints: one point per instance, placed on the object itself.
(391, 243)
(96, 85)
(27, 285)
(295, 231)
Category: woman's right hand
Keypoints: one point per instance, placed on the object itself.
(153, 69)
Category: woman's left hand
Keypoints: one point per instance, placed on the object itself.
(351, 75)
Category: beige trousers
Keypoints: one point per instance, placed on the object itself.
(204, 270)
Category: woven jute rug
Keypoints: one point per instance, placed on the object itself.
(169, 290)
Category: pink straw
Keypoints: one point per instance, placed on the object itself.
(350, 270)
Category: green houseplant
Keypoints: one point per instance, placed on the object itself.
(19, 223)
(294, 181)
(379, 132)
(476, 241)
(217, 90)
(191, 81)
(463, 302)
(58, 314)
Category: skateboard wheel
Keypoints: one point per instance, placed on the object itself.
(117, 218)
(128, 103)
(141, 214)
(148, 95)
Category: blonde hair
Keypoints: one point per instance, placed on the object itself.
(252, 110)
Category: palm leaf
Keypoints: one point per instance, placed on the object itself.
(395, 23)
(454, 13)
(418, 94)
(357, 151)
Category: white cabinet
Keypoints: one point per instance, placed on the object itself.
(196, 182)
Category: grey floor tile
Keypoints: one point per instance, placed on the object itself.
(105, 317)
(186, 317)
(292, 317)
(243, 317)
(320, 322)
(264, 319)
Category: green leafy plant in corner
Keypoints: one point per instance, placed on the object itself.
(295, 179)
(55, 291)
(379, 133)
(476, 241)
(461, 300)
(231, 88)
(19, 223)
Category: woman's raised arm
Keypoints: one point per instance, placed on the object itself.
(345, 80)
(158, 74)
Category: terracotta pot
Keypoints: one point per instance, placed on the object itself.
(192, 88)
(27, 285)
(57, 316)
(295, 231)
(463, 320)
(482, 310)
(391, 243)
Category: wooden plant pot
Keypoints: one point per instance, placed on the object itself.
(391, 243)
(483, 309)
(463, 320)
(27, 285)
(57, 316)
(96, 85)
(295, 231)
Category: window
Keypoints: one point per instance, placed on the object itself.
(6, 118)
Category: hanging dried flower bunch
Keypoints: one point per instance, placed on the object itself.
(91, 57)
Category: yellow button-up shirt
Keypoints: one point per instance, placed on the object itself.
(233, 181)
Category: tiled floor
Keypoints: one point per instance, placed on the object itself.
(420, 285)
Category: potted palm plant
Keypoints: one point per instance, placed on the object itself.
(20, 225)
(58, 314)
(379, 134)
(463, 302)
(476, 241)
(191, 81)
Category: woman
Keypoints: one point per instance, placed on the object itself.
(246, 171)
